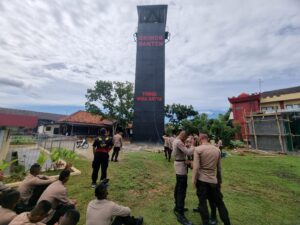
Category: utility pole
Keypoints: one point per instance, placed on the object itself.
(259, 83)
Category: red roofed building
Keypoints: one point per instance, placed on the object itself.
(17, 124)
(81, 123)
(242, 106)
(14, 120)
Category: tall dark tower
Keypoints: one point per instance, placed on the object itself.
(149, 96)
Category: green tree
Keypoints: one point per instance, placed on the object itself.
(222, 128)
(189, 126)
(198, 124)
(113, 100)
(217, 128)
(178, 112)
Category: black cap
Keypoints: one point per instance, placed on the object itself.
(102, 131)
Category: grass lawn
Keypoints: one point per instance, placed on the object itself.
(257, 190)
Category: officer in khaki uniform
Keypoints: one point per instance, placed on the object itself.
(207, 179)
(118, 143)
(180, 152)
(56, 193)
(166, 145)
(170, 146)
(35, 216)
(33, 184)
(101, 211)
(71, 217)
(8, 201)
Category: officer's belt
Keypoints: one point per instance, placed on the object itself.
(104, 150)
(180, 160)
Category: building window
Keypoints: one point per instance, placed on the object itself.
(48, 128)
(269, 108)
(293, 106)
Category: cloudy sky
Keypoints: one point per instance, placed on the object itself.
(52, 51)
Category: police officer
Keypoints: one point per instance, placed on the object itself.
(180, 152)
(101, 211)
(166, 145)
(101, 148)
(118, 143)
(207, 179)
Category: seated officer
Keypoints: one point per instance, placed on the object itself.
(56, 194)
(37, 214)
(71, 217)
(101, 211)
(8, 201)
(32, 187)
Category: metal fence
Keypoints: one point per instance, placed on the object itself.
(56, 141)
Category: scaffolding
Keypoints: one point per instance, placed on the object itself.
(277, 131)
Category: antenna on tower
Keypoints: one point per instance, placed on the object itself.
(259, 83)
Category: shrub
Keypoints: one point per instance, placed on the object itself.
(4, 164)
(42, 158)
(18, 172)
(236, 144)
(22, 140)
(62, 153)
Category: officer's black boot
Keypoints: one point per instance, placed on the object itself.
(213, 221)
(139, 220)
(182, 219)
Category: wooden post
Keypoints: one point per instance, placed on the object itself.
(59, 145)
(279, 130)
(246, 128)
(254, 133)
(51, 144)
(74, 146)
(290, 133)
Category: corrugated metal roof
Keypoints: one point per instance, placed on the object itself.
(280, 92)
(39, 115)
(13, 120)
(86, 118)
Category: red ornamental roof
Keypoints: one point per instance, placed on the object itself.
(13, 120)
(82, 117)
(243, 97)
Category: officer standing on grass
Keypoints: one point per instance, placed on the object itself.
(207, 179)
(180, 152)
(118, 143)
(101, 148)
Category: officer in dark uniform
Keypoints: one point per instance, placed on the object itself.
(101, 148)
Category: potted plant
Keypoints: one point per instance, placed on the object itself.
(64, 154)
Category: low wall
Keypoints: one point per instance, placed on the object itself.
(74, 172)
(4, 143)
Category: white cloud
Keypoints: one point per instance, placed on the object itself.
(52, 51)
